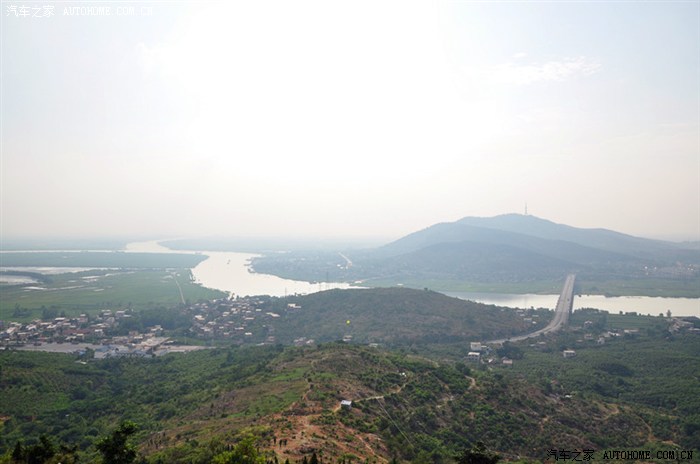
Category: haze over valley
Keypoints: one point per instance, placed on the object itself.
(339, 232)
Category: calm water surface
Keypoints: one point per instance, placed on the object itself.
(230, 272)
(639, 304)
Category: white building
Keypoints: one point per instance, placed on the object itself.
(473, 356)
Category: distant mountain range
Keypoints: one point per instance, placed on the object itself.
(542, 236)
(503, 252)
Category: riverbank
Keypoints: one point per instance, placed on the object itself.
(612, 288)
(231, 273)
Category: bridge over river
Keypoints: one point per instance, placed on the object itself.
(561, 315)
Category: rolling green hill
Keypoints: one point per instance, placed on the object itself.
(394, 316)
(505, 252)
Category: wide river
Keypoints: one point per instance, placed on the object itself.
(230, 272)
(638, 304)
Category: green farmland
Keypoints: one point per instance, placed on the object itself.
(121, 280)
(89, 291)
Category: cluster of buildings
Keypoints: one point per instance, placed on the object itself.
(681, 325)
(530, 316)
(248, 320)
(479, 353)
(240, 319)
(61, 329)
(83, 335)
(678, 271)
(134, 345)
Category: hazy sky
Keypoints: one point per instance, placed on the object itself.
(342, 118)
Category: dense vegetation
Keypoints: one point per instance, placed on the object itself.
(77, 401)
(547, 401)
(396, 317)
(636, 390)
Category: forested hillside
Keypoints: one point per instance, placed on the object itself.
(395, 317)
(635, 391)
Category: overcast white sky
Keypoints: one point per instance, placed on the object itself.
(348, 118)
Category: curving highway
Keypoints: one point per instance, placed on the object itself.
(561, 315)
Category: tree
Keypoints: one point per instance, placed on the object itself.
(18, 453)
(114, 448)
(41, 452)
(245, 452)
(510, 351)
(48, 314)
(477, 455)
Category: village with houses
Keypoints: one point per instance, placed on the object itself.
(86, 335)
(104, 334)
(116, 333)
(241, 321)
